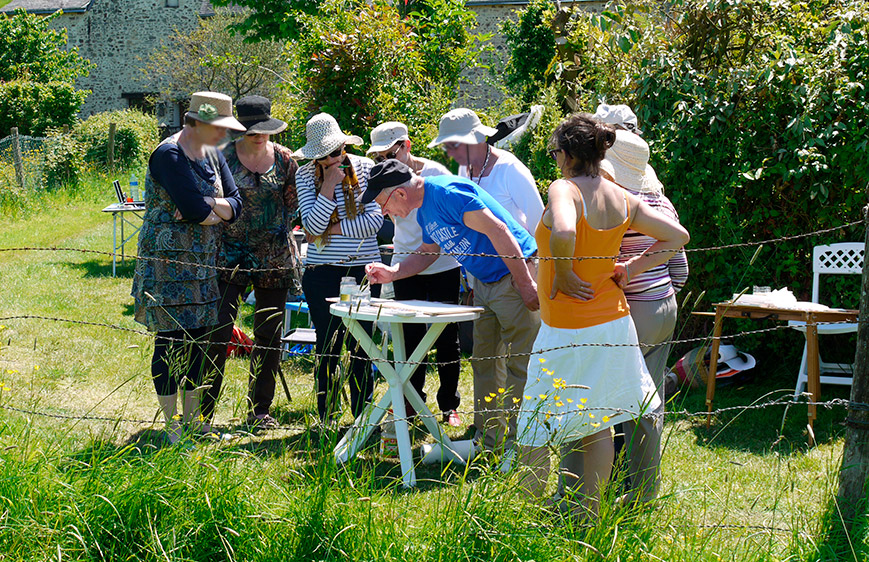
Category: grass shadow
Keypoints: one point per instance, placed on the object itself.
(91, 269)
(761, 430)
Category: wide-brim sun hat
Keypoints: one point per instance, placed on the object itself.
(213, 108)
(618, 115)
(254, 113)
(462, 125)
(324, 136)
(385, 135)
(627, 161)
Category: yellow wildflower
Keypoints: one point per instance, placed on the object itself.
(502, 390)
(595, 424)
(488, 398)
(605, 419)
(559, 404)
(542, 396)
(591, 415)
(542, 360)
(570, 401)
(516, 400)
(527, 397)
(583, 400)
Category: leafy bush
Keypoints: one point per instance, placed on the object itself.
(757, 125)
(64, 160)
(34, 107)
(136, 135)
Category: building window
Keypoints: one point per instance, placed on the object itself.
(171, 3)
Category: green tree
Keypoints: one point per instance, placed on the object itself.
(37, 75)
(215, 57)
(31, 50)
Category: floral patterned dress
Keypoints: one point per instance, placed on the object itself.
(175, 285)
(262, 236)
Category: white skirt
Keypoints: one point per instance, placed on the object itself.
(580, 389)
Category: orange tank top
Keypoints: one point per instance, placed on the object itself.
(609, 302)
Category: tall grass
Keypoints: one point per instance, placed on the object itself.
(747, 489)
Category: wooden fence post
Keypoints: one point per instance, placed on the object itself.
(111, 147)
(854, 472)
(16, 157)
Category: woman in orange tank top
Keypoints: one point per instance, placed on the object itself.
(587, 372)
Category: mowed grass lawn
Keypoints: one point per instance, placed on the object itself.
(748, 488)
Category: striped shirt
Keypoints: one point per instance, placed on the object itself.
(664, 280)
(358, 243)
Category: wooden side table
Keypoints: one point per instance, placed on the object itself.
(756, 312)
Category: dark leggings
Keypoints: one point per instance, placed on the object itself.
(319, 283)
(178, 357)
(265, 357)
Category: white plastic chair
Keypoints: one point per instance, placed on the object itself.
(845, 258)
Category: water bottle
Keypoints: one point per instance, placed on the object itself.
(134, 188)
(388, 437)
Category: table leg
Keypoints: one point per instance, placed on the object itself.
(123, 240)
(713, 363)
(813, 371)
(114, 242)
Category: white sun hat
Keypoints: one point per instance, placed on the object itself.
(464, 126)
(618, 115)
(324, 136)
(387, 134)
(627, 161)
(214, 109)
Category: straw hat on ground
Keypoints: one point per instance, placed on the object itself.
(324, 137)
(214, 109)
(464, 126)
(627, 162)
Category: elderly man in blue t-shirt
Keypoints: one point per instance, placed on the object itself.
(459, 218)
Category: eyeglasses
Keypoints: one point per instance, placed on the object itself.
(334, 154)
(554, 153)
(389, 155)
(388, 197)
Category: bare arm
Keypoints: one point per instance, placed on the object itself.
(670, 236)
(562, 241)
(484, 222)
(410, 266)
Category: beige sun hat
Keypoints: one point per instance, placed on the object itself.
(214, 109)
(618, 115)
(387, 134)
(324, 136)
(627, 161)
(462, 125)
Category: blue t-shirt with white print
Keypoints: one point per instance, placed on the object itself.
(446, 200)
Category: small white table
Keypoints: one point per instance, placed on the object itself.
(122, 209)
(437, 316)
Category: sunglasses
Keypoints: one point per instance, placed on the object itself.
(451, 145)
(389, 155)
(334, 154)
(554, 152)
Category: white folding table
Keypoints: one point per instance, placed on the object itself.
(397, 374)
(122, 209)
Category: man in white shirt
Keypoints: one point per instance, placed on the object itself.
(439, 282)
(497, 171)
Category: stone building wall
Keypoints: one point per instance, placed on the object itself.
(117, 36)
(481, 88)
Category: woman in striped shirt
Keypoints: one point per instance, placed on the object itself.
(341, 240)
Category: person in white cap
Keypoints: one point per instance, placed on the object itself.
(651, 296)
(439, 282)
(463, 137)
(342, 233)
(189, 194)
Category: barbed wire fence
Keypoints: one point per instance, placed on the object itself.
(507, 355)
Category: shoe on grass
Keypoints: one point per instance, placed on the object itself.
(452, 419)
(262, 421)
